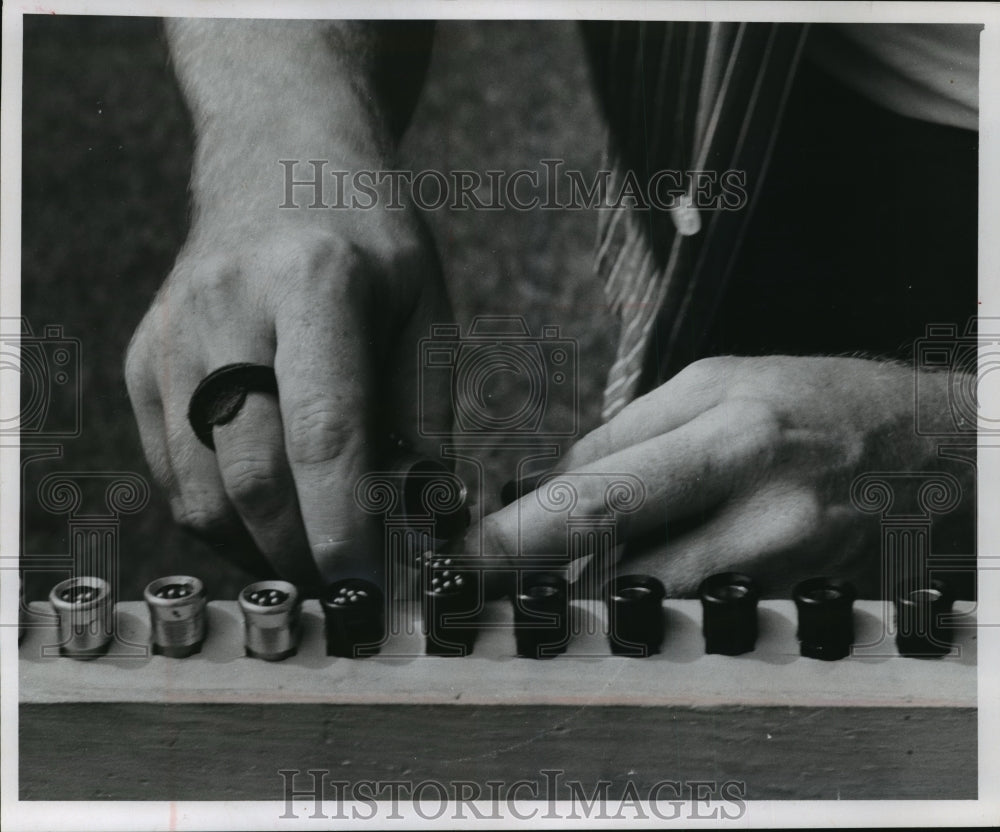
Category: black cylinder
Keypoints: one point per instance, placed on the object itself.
(354, 610)
(635, 615)
(434, 495)
(541, 616)
(826, 618)
(729, 613)
(433, 511)
(920, 631)
(450, 601)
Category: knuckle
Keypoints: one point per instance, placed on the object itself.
(754, 437)
(327, 253)
(354, 275)
(317, 431)
(757, 421)
(205, 267)
(801, 514)
(202, 282)
(204, 518)
(315, 257)
(706, 371)
(326, 271)
(412, 255)
(214, 281)
(254, 486)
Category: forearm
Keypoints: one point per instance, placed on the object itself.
(260, 91)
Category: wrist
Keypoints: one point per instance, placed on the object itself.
(265, 91)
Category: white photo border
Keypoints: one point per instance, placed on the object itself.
(113, 815)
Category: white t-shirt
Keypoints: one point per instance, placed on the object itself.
(924, 71)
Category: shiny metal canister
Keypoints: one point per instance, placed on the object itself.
(177, 615)
(85, 610)
(272, 616)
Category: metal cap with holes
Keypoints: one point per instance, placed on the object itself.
(85, 610)
(450, 604)
(354, 612)
(272, 615)
(176, 615)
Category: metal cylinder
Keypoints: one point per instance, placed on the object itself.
(635, 615)
(449, 594)
(922, 629)
(354, 612)
(177, 615)
(541, 616)
(272, 619)
(85, 611)
(826, 618)
(729, 613)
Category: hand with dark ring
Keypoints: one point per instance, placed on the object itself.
(222, 393)
(325, 310)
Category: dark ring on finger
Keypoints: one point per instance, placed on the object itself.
(221, 394)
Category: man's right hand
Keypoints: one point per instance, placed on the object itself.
(335, 300)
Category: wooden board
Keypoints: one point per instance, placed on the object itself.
(220, 726)
(119, 751)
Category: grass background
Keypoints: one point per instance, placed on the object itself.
(106, 156)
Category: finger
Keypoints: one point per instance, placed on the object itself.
(324, 383)
(777, 535)
(419, 399)
(197, 496)
(250, 453)
(693, 468)
(696, 389)
(199, 503)
(148, 408)
(211, 520)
